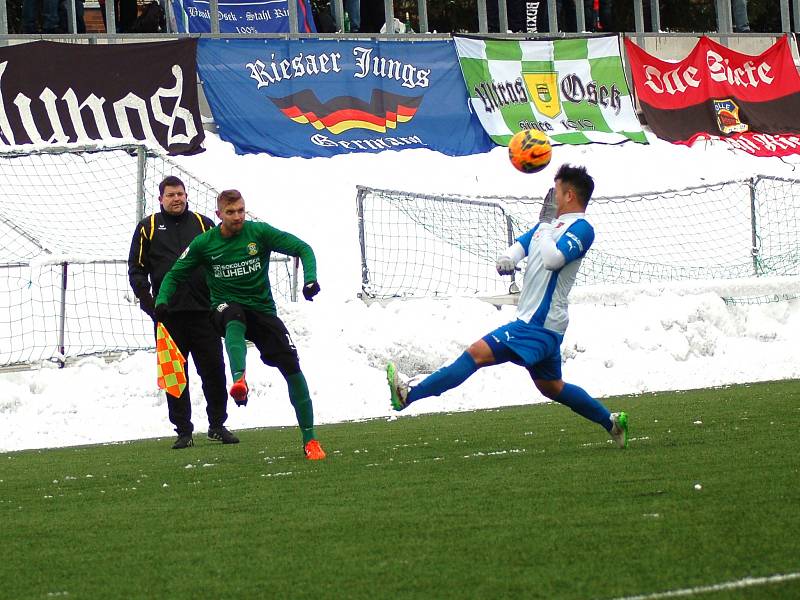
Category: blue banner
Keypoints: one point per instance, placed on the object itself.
(320, 98)
(242, 16)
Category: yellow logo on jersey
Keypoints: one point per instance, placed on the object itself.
(252, 248)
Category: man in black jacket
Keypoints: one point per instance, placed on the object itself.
(157, 243)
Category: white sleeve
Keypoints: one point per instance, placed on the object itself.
(515, 252)
(552, 258)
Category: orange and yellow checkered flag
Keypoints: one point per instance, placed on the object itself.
(171, 374)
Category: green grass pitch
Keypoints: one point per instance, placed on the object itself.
(524, 502)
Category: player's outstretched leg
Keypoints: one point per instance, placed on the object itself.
(434, 384)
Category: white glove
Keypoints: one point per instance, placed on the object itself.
(505, 265)
(548, 212)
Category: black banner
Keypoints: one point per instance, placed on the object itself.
(54, 93)
(524, 16)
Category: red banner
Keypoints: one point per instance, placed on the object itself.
(717, 91)
(757, 144)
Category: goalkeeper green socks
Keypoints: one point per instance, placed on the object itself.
(236, 347)
(301, 400)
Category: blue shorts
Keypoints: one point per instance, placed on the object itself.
(531, 346)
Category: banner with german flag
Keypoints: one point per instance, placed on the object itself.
(321, 98)
(718, 92)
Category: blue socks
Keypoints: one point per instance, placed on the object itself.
(582, 403)
(444, 379)
(460, 370)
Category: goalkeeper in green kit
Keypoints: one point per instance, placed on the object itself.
(235, 256)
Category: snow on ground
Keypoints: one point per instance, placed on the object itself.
(657, 339)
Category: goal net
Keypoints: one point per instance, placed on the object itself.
(67, 218)
(741, 235)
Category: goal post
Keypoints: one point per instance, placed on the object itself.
(67, 217)
(416, 245)
(429, 245)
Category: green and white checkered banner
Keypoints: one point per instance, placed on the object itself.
(573, 89)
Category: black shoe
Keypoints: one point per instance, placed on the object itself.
(220, 434)
(183, 441)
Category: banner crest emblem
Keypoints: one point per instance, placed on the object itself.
(727, 113)
(543, 92)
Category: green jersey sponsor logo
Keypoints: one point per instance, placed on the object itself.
(245, 267)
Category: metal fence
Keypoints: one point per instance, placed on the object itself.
(722, 9)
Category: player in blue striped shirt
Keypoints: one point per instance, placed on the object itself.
(554, 253)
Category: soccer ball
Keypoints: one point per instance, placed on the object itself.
(530, 150)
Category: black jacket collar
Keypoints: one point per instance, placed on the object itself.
(175, 219)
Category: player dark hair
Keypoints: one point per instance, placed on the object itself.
(578, 179)
(171, 181)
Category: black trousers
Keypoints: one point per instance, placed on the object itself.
(195, 336)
